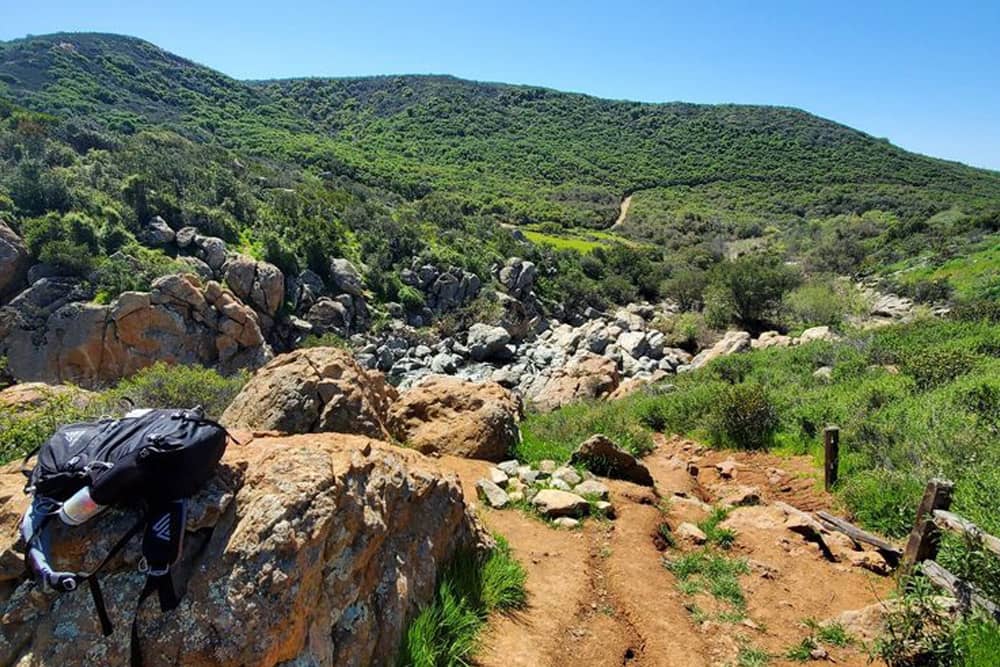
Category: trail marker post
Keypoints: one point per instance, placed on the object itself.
(831, 449)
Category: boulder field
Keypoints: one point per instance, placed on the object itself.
(307, 550)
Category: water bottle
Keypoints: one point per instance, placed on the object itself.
(79, 508)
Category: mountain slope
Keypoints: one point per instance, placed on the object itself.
(523, 154)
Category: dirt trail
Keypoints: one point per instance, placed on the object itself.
(601, 595)
(622, 212)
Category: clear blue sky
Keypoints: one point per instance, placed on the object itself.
(924, 74)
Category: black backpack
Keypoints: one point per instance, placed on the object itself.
(152, 460)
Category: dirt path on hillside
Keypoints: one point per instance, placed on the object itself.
(622, 212)
(601, 595)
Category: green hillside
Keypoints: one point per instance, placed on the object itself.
(432, 161)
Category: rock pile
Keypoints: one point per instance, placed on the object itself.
(556, 492)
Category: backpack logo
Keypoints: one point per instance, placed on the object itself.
(161, 529)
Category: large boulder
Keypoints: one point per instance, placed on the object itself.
(313, 390)
(50, 336)
(588, 377)
(444, 414)
(346, 277)
(600, 455)
(14, 261)
(518, 276)
(731, 343)
(487, 342)
(258, 284)
(156, 233)
(305, 550)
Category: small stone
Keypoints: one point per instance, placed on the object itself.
(498, 477)
(547, 466)
(568, 475)
(605, 508)
(515, 496)
(557, 483)
(742, 496)
(690, 532)
(566, 522)
(819, 653)
(592, 488)
(727, 469)
(554, 503)
(509, 467)
(494, 496)
(527, 475)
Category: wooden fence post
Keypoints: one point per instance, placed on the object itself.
(831, 448)
(925, 536)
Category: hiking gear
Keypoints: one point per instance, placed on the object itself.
(79, 508)
(150, 459)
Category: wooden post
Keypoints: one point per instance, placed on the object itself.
(831, 447)
(925, 536)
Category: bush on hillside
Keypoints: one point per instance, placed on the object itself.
(744, 417)
(172, 386)
(752, 286)
(821, 302)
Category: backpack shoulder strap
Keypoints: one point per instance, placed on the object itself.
(162, 546)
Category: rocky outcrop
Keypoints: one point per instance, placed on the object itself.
(313, 390)
(453, 416)
(306, 550)
(258, 284)
(14, 262)
(50, 334)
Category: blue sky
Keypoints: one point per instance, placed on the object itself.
(924, 74)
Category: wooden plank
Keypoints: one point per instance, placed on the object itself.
(957, 524)
(925, 536)
(966, 594)
(831, 461)
(859, 535)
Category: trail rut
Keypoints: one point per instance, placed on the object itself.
(601, 595)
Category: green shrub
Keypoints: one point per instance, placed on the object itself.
(169, 386)
(821, 302)
(22, 430)
(328, 339)
(918, 631)
(744, 417)
(937, 366)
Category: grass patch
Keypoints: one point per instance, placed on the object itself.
(720, 537)
(445, 632)
(707, 571)
(751, 656)
(557, 434)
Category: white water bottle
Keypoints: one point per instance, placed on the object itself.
(79, 508)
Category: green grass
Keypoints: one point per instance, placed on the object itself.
(562, 242)
(711, 572)
(555, 435)
(750, 656)
(715, 535)
(445, 633)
